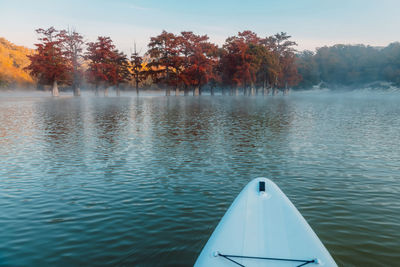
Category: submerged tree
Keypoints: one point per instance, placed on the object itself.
(137, 71)
(216, 77)
(286, 70)
(72, 44)
(164, 60)
(50, 64)
(199, 59)
(186, 60)
(267, 70)
(240, 62)
(101, 57)
(122, 70)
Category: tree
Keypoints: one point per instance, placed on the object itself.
(239, 64)
(200, 56)
(72, 43)
(49, 64)
(308, 69)
(266, 67)
(216, 77)
(123, 74)
(285, 71)
(138, 73)
(102, 69)
(391, 57)
(165, 60)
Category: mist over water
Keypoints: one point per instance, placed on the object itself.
(144, 181)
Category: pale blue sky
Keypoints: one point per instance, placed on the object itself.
(312, 23)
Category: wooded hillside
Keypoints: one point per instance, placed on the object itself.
(13, 60)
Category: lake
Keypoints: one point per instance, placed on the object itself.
(143, 181)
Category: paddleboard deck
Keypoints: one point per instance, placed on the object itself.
(263, 228)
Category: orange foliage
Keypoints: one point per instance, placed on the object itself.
(13, 60)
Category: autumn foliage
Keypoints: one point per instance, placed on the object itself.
(49, 64)
(72, 46)
(13, 60)
(106, 65)
(245, 63)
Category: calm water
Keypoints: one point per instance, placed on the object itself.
(144, 181)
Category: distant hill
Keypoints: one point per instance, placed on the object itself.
(13, 59)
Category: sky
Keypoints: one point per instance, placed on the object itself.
(311, 23)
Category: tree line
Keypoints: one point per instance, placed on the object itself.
(245, 64)
(186, 62)
(349, 65)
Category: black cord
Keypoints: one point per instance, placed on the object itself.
(228, 257)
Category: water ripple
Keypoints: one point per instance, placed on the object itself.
(144, 181)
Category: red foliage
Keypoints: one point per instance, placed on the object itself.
(165, 63)
(238, 62)
(106, 64)
(187, 59)
(50, 63)
(72, 43)
(200, 58)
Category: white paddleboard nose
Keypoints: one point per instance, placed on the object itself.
(262, 227)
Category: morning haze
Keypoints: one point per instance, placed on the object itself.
(206, 133)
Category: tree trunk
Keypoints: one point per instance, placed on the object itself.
(200, 89)
(54, 90)
(263, 87)
(196, 91)
(212, 90)
(236, 91)
(118, 91)
(137, 87)
(106, 91)
(186, 91)
(168, 91)
(286, 91)
(244, 91)
(252, 90)
(77, 90)
(231, 91)
(40, 87)
(223, 91)
(177, 91)
(96, 90)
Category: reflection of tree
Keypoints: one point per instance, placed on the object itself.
(60, 119)
(81, 131)
(258, 116)
(16, 124)
(194, 131)
(184, 120)
(255, 125)
(179, 129)
(110, 117)
(61, 126)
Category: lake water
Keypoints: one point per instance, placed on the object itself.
(144, 181)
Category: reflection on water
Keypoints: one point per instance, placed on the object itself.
(144, 181)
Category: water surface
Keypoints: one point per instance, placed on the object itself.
(144, 181)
